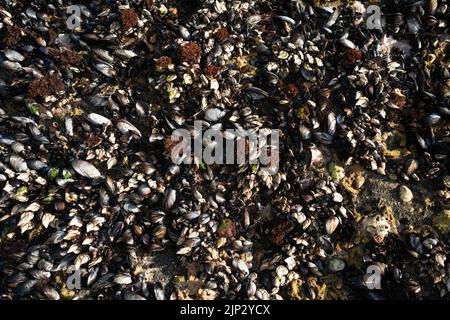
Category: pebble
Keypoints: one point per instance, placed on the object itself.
(290, 263)
(282, 271)
(337, 197)
(406, 194)
(336, 265)
(336, 171)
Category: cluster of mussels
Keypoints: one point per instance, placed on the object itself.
(88, 104)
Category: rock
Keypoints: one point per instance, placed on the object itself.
(290, 263)
(406, 194)
(336, 265)
(337, 197)
(358, 180)
(214, 114)
(336, 171)
(227, 228)
(282, 271)
(441, 221)
(377, 227)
